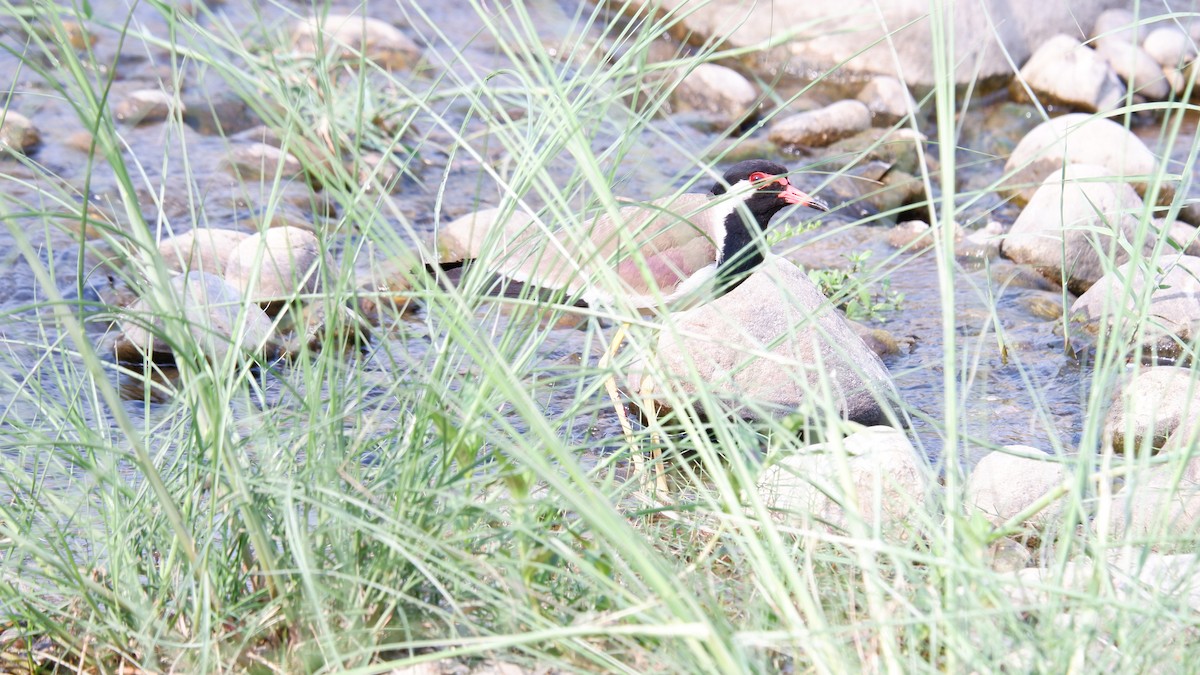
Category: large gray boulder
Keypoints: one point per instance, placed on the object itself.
(1076, 138)
(771, 346)
(888, 484)
(1170, 315)
(831, 35)
(1154, 404)
(1075, 222)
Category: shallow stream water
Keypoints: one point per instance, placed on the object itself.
(1018, 385)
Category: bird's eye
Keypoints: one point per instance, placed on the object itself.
(758, 176)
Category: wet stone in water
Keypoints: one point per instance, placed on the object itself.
(1065, 71)
(820, 127)
(212, 311)
(350, 37)
(1151, 407)
(17, 132)
(145, 106)
(720, 93)
(1076, 139)
(259, 161)
(888, 99)
(201, 249)
(286, 261)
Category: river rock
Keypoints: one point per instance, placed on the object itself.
(1171, 314)
(315, 329)
(145, 106)
(213, 310)
(1065, 71)
(1151, 407)
(857, 38)
(1160, 503)
(820, 127)
(1130, 579)
(983, 243)
(17, 132)
(259, 161)
(1181, 234)
(1118, 24)
(1005, 483)
(1170, 47)
(288, 261)
(1071, 217)
(888, 99)
(776, 310)
(466, 237)
(1139, 70)
(722, 94)
(889, 483)
(895, 149)
(349, 36)
(201, 249)
(1079, 139)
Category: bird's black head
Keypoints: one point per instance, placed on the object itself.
(763, 189)
(772, 191)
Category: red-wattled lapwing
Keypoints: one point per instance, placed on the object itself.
(689, 247)
(655, 254)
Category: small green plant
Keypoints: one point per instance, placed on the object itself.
(852, 290)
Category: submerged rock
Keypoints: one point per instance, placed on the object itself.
(771, 346)
(217, 319)
(1151, 407)
(201, 249)
(17, 132)
(889, 483)
(287, 261)
(349, 36)
(1169, 316)
(1065, 71)
(1076, 222)
(820, 127)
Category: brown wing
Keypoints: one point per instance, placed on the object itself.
(677, 238)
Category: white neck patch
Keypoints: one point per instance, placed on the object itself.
(727, 204)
